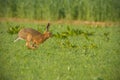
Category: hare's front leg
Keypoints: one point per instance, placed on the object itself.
(34, 45)
(28, 44)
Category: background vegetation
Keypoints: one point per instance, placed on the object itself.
(95, 10)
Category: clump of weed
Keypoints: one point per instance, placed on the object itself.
(14, 29)
(60, 35)
(72, 32)
(67, 33)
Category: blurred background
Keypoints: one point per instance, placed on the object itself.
(95, 10)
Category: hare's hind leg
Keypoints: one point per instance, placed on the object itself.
(19, 38)
(29, 38)
(28, 45)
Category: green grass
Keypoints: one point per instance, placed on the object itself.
(77, 57)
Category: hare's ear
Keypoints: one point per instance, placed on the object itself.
(47, 28)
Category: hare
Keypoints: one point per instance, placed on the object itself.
(33, 36)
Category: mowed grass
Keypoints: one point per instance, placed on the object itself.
(77, 57)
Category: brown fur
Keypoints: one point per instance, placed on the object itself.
(31, 35)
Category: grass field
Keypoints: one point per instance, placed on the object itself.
(91, 54)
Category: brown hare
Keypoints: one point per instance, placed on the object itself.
(33, 36)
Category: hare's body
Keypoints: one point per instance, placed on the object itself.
(23, 33)
(31, 35)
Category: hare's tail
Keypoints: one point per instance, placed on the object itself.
(17, 39)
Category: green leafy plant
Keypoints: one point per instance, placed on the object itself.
(14, 30)
(73, 32)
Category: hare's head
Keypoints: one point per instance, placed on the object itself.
(47, 34)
